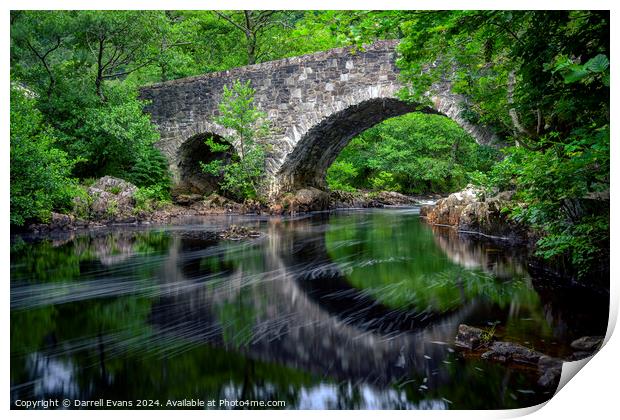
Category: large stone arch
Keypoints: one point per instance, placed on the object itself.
(317, 149)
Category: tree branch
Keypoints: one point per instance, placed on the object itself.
(230, 20)
(43, 57)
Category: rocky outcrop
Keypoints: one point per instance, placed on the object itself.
(471, 211)
(61, 221)
(112, 199)
(108, 200)
(447, 211)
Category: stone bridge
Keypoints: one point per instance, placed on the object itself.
(316, 103)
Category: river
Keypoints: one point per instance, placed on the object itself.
(344, 309)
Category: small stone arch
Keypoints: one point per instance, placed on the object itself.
(189, 156)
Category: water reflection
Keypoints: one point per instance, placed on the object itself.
(349, 310)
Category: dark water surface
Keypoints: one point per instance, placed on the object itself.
(353, 309)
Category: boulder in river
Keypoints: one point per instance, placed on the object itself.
(472, 337)
(550, 369)
(587, 343)
(306, 200)
(503, 351)
(470, 211)
(447, 211)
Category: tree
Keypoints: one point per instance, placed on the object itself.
(85, 67)
(40, 172)
(253, 24)
(243, 175)
(38, 39)
(542, 79)
(121, 42)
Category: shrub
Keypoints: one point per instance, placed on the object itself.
(149, 198)
(243, 175)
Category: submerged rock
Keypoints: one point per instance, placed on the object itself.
(550, 369)
(587, 343)
(472, 338)
(236, 232)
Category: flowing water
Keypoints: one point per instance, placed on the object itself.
(349, 309)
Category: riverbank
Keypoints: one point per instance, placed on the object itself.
(114, 202)
(473, 211)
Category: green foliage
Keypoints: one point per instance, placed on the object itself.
(151, 170)
(151, 198)
(595, 68)
(542, 79)
(84, 67)
(242, 176)
(487, 335)
(40, 172)
(340, 174)
(414, 153)
(561, 192)
(112, 209)
(113, 138)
